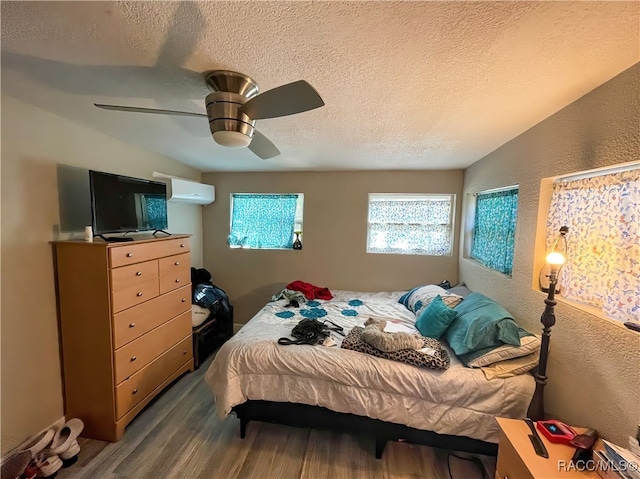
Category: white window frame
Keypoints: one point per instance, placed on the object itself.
(415, 197)
(298, 221)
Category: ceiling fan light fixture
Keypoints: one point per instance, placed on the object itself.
(231, 139)
(234, 105)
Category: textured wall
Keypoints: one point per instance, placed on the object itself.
(594, 379)
(33, 142)
(335, 235)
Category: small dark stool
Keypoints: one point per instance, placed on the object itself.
(211, 334)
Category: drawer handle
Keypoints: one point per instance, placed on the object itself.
(129, 255)
(135, 391)
(182, 245)
(178, 280)
(132, 325)
(133, 358)
(184, 352)
(177, 263)
(184, 300)
(139, 293)
(139, 273)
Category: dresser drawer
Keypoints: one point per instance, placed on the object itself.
(124, 255)
(133, 295)
(171, 264)
(142, 351)
(128, 276)
(175, 271)
(133, 390)
(134, 322)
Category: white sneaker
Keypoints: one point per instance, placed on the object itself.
(39, 444)
(47, 465)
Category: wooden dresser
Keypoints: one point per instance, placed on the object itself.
(125, 321)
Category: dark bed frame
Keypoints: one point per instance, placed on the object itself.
(316, 417)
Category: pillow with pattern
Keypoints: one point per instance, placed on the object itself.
(434, 358)
(420, 297)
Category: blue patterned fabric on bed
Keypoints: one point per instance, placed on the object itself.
(345, 309)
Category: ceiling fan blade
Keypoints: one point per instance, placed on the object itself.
(284, 100)
(262, 146)
(136, 109)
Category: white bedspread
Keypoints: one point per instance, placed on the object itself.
(458, 401)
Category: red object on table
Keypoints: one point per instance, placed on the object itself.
(556, 431)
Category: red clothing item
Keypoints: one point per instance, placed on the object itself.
(310, 291)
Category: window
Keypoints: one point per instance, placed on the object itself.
(602, 267)
(410, 224)
(151, 211)
(265, 221)
(494, 229)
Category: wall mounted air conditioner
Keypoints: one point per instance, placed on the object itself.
(184, 191)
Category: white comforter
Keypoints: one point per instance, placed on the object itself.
(458, 401)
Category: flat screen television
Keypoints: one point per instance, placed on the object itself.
(120, 203)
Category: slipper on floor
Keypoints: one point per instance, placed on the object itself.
(65, 442)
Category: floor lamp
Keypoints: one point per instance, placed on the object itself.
(555, 260)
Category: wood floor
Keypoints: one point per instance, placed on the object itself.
(180, 436)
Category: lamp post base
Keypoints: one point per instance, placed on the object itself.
(536, 408)
(548, 319)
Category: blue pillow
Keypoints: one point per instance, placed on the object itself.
(434, 320)
(420, 297)
(404, 299)
(481, 323)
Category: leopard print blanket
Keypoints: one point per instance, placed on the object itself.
(435, 357)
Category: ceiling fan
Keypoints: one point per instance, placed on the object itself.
(234, 106)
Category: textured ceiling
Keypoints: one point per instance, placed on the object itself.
(407, 85)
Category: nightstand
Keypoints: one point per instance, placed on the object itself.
(211, 334)
(518, 460)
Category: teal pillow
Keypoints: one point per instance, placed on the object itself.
(481, 323)
(434, 320)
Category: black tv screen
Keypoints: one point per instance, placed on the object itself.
(120, 203)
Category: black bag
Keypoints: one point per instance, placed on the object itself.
(307, 331)
(206, 295)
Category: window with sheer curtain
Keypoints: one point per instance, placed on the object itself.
(265, 221)
(410, 224)
(494, 229)
(602, 268)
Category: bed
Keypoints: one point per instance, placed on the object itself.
(316, 386)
